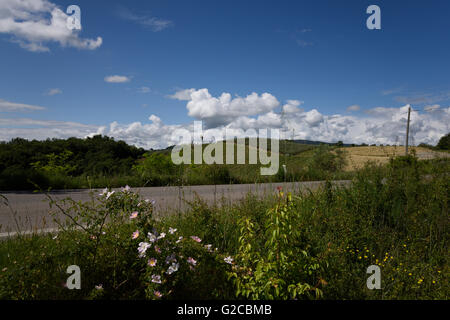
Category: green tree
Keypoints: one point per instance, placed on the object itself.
(55, 164)
(444, 142)
(156, 166)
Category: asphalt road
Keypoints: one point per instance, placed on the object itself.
(32, 210)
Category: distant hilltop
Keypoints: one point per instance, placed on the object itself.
(298, 141)
(320, 142)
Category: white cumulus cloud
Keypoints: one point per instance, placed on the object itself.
(35, 23)
(215, 111)
(182, 95)
(292, 106)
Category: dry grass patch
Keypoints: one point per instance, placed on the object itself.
(358, 156)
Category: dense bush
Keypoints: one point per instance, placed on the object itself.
(325, 160)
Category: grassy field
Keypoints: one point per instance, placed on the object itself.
(287, 246)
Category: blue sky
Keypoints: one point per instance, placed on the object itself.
(319, 53)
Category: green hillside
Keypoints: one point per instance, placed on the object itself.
(103, 162)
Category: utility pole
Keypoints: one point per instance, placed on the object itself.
(285, 153)
(180, 186)
(407, 131)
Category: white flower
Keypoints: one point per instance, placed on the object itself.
(162, 235)
(126, 189)
(228, 260)
(110, 194)
(152, 237)
(156, 279)
(173, 268)
(143, 246)
(99, 287)
(172, 230)
(179, 239)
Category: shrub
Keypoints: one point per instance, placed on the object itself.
(157, 168)
(178, 266)
(282, 269)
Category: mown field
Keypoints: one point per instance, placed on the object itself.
(310, 245)
(357, 157)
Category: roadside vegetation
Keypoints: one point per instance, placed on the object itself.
(101, 161)
(310, 245)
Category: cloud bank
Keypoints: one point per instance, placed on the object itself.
(378, 125)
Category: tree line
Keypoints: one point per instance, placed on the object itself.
(101, 161)
(25, 163)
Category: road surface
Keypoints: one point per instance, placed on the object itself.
(32, 209)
